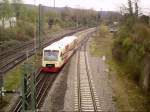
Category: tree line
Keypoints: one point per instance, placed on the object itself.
(27, 20)
(131, 48)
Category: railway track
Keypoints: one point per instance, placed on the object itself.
(12, 62)
(6, 54)
(8, 62)
(25, 45)
(86, 98)
(43, 84)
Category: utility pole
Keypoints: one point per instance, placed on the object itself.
(149, 19)
(28, 86)
(35, 32)
(77, 20)
(39, 27)
(1, 86)
(33, 90)
(25, 102)
(99, 16)
(77, 24)
(54, 3)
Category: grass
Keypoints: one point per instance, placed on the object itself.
(12, 79)
(101, 46)
(127, 94)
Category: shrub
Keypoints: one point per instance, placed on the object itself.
(133, 65)
(140, 33)
(7, 34)
(131, 46)
(117, 51)
(103, 31)
(24, 31)
(55, 28)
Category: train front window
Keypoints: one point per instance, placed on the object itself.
(51, 55)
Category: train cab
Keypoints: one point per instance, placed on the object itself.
(57, 54)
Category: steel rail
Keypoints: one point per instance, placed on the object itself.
(90, 83)
(81, 104)
(18, 58)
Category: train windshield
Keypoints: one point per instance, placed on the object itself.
(51, 55)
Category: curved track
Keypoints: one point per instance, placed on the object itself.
(11, 58)
(43, 84)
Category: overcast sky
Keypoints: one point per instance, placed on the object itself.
(107, 5)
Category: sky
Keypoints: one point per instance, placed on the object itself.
(106, 5)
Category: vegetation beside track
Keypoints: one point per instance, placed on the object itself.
(127, 95)
(131, 48)
(98, 44)
(13, 78)
(25, 27)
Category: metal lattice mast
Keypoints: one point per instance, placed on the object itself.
(28, 86)
(39, 28)
(33, 92)
(25, 103)
(1, 86)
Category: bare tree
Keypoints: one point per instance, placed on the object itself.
(130, 7)
(136, 8)
(5, 11)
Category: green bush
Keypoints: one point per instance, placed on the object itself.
(133, 65)
(29, 30)
(7, 34)
(55, 28)
(24, 31)
(103, 30)
(140, 33)
(117, 52)
(131, 46)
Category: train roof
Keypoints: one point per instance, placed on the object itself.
(61, 43)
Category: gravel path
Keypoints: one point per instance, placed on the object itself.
(100, 74)
(69, 96)
(55, 98)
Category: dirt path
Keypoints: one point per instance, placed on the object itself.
(99, 70)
